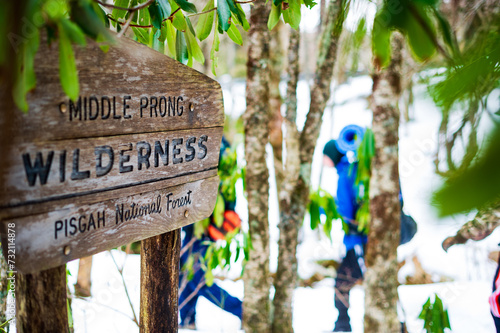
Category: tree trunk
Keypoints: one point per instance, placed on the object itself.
(160, 283)
(256, 277)
(294, 194)
(41, 301)
(286, 274)
(83, 282)
(383, 239)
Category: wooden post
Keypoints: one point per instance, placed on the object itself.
(41, 301)
(160, 283)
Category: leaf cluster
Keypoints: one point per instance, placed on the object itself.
(322, 202)
(365, 154)
(221, 254)
(419, 20)
(435, 317)
(465, 87)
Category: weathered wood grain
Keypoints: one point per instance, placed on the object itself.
(41, 301)
(73, 231)
(43, 171)
(160, 283)
(128, 69)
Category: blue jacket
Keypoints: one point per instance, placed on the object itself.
(347, 204)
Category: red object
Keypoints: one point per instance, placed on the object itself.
(231, 221)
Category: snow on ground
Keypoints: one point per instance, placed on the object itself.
(466, 266)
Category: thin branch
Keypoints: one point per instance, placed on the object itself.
(200, 13)
(243, 2)
(91, 301)
(125, 287)
(128, 9)
(194, 293)
(171, 17)
(125, 27)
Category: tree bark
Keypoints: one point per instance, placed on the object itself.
(256, 277)
(160, 283)
(294, 194)
(41, 301)
(383, 238)
(483, 224)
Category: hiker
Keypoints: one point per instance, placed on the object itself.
(191, 289)
(352, 268)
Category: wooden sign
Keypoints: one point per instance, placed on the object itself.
(134, 156)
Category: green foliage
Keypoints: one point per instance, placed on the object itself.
(435, 317)
(464, 88)
(319, 201)
(67, 66)
(222, 253)
(205, 22)
(475, 187)
(160, 22)
(290, 11)
(366, 152)
(417, 20)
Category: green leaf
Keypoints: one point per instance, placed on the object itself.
(213, 51)
(142, 35)
(158, 45)
(171, 39)
(224, 13)
(219, 209)
(205, 22)
(292, 15)
(74, 33)
(474, 187)
(190, 26)
(155, 14)
(103, 43)
(91, 22)
(25, 79)
(118, 13)
(194, 48)
(244, 23)
(420, 39)
(179, 21)
(165, 8)
(186, 6)
(234, 34)
(274, 17)
(381, 39)
(445, 28)
(234, 10)
(67, 67)
(310, 3)
(277, 3)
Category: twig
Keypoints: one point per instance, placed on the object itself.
(195, 291)
(125, 287)
(128, 9)
(100, 304)
(125, 27)
(200, 13)
(171, 17)
(243, 2)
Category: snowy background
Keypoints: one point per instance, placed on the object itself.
(466, 268)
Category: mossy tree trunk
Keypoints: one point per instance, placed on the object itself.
(41, 301)
(294, 192)
(383, 239)
(256, 277)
